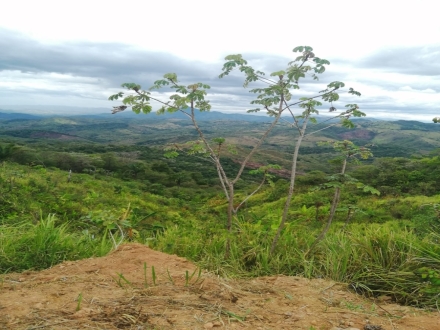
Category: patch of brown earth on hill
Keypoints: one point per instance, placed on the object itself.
(112, 293)
(358, 134)
(53, 135)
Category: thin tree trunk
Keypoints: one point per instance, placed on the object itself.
(222, 181)
(230, 206)
(291, 186)
(230, 214)
(349, 216)
(331, 216)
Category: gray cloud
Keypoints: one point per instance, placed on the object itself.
(422, 61)
(112, 61)
(92, 71)
(116, 62)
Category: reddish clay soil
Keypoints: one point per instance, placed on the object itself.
(89, 294)
(358, 134)
(54, 135)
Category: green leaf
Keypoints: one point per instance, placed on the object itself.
(278, 73)
(146, 108)
(161, 111)
(159, 84)
(319, 69)
(347, 123)
(352, 91)
(132, 86)
(171, 77)
(116, 96)
(371, 190)
(336, 85)
(320, 61)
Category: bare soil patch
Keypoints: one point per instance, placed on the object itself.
(89, 294)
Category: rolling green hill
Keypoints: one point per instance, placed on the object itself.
(75, 133)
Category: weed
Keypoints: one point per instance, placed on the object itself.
(122, 278)
(352, 307)
(188, 277)
(145, 275)
(235, 316)
(79, 300)
(153, 275)
(169, 277)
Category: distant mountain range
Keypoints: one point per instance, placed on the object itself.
(106, 112)
(390, 138)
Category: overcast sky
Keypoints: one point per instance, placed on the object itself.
(77, 53)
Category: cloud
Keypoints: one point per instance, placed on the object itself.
(420, 61)
(111, 61)
(394, 81)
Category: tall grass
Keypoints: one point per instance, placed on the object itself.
(375, 259)
(42, 245)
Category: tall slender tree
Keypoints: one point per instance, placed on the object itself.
(274, 94)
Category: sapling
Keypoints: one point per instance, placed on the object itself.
(273, 94)
(349, 152)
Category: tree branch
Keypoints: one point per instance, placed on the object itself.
(259, 143)
(249, 196)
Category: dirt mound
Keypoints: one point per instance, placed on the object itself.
(121, 291)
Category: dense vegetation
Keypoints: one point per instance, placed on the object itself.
(385, 244)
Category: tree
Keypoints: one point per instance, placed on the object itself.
(349, 152)
(273, 94)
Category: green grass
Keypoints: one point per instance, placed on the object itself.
(44, 244)
(390, 247)
(377, 259)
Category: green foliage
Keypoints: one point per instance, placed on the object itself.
(383, 244)
(192, 228)
(26, 246)
(382, 259)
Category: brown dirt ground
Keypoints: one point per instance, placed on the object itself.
(50, 299)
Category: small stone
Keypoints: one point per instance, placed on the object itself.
(83, 312)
